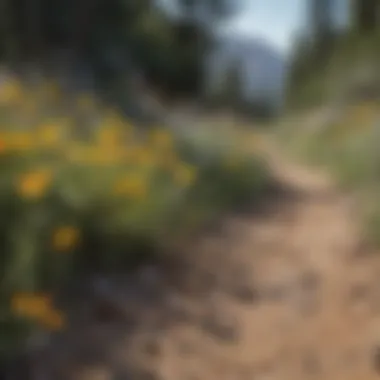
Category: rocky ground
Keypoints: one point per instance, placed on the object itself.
(287, 293)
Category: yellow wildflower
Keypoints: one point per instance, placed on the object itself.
(34, 184)
(93, 155)
(108, 136)
(134, 186)
(30, 304)
(65, 238)
(185, 174)
(50, 134)
(37, 307)
(20, 140)
(143, 156)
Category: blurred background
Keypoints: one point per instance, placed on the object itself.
(194, 49)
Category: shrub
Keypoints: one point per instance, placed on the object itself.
(89, 191)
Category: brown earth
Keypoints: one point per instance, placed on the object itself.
(289, 293)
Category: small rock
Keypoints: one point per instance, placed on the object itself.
(245, 293)
(226, 331)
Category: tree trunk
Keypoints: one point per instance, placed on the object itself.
(366, 15)
(322, 28)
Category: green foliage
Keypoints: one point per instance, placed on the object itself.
(348, 149)
(320, 71)
(114, 198)
(110, 36)
(365, 16)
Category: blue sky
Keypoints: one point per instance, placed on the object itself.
(275, 20)
(278, 20)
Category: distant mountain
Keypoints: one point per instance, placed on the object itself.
(262, 67)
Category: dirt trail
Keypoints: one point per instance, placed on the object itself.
(314, 307)
(289, 294)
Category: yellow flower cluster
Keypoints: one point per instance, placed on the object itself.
(49, 135)
(65, 238)
(113, 143)
(33, 185)
(132, 186)
(37, 308)
(107, 149)
(83, 162)
(19, 141)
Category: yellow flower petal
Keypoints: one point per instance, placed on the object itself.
(38, 308)
(134, 186)
(65, 238)
(30, 305)
(34, 184)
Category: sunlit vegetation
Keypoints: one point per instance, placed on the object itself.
(82, 188)
(349, 148)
